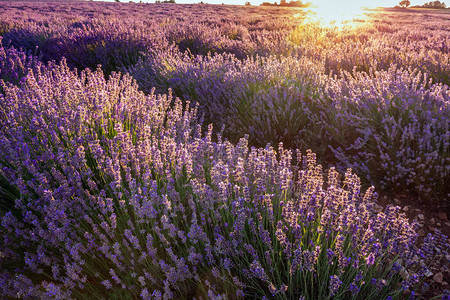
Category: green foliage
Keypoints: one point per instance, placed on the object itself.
(434, 4)
(405, 3)
(283, 3)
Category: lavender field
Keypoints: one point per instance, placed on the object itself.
(168, 151)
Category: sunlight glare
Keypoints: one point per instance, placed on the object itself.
(335, 13)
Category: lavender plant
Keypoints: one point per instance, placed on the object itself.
(88, 44)
(366, 45)
(392, 126)
(239, 93)
(107, 191)
(203, 39)
(111, 45)
(15, 64)
(121, 195)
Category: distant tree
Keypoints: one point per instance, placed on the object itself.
(405, 3)
(117, 0)
(298, 4)
(247, 3)
(293, 3)
(435, 4)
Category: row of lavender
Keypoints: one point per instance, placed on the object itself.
(91, 34)
(108, 192)
(267, 73)
(391, 127)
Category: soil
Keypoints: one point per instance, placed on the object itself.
(431, 218)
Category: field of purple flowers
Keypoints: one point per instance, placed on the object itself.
(164, 151)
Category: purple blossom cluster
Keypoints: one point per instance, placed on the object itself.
(390, 126)
(378, 42)
(88, 35)
(239, 66)
(238, 93)
(15, 64)
(111, 186)
(110, 192)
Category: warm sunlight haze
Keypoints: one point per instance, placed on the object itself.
(336, 13)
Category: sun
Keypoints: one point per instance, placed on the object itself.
(336, 13)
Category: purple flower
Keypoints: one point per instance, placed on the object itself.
(334, 284)
(354, 289)
(370, 260)
(107, 284)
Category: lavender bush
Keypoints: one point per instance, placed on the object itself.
(393, 126)
(87, 44)
(15, 64)
(112, 46)
(119, 194)
(112, 187)
(202, 39)
(366, 45)
(239, 93)
(390, 126)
